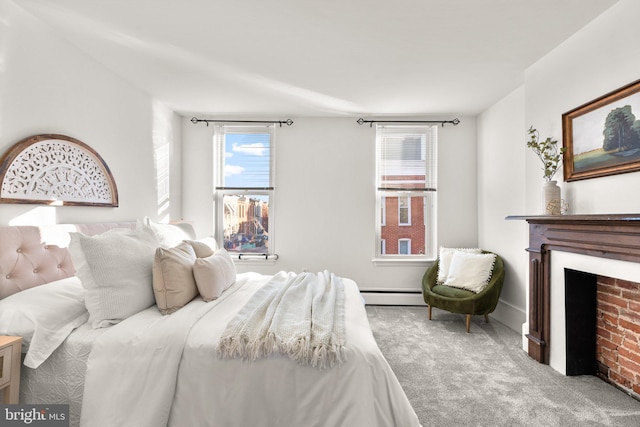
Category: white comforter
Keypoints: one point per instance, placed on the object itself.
(153, 370)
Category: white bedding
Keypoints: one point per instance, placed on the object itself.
(60, 378)
(154, 370)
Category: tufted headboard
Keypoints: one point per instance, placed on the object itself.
(35, 255)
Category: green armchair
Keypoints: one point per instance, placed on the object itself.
(461, 301)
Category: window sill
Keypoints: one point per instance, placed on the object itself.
(386, 262)
(246, 259)
(237, 261)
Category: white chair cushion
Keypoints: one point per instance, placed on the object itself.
(445, 260)
(470, 271)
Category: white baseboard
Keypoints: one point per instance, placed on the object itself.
(390, 298)
(505, 313)
(509, 315)
(525, 341)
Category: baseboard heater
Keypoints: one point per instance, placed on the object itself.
(392, 297)
(387, 291)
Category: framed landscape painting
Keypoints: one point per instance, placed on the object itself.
(602, 137)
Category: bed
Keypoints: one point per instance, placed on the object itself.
(164, 366)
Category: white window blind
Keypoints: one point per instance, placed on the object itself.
(406, 182)
(246, 157)
(407, 157)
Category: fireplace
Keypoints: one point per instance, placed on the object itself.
(600, 246)
(580, 311)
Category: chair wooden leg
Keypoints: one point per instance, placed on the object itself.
(468, 323)
(486, 318)
(429, 312)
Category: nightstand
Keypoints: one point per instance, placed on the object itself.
(10, 359)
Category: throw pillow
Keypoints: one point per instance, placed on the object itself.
(470, 271)
(116, 271)
(445, 260)
(173, 282)
(169, 235)
(214, 274)
(204, 247)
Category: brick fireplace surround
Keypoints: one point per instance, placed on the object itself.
(618, 332)
(618, 301)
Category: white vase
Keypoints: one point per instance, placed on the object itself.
(551, 198)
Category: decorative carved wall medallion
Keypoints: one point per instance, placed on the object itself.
(55, 170)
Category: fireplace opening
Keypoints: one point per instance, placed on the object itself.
(580, 319)
(602, 316)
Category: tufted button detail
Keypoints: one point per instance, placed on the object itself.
(19, 250)
(35, 270)
(8, 276)
(46, 246)
(59, 265)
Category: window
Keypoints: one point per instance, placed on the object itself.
(243, 184)
(404, 210)
(406, 191)
(404, 246)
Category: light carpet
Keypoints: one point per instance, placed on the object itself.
(485, 378)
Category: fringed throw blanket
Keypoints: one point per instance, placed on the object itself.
(298, 315)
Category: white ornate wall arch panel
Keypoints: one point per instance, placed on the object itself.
(55, 170)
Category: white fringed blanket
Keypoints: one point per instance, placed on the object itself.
(299, 315)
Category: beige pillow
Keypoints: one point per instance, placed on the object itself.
(470, 271)
(214, 274)
(173, 282)
(204, 247)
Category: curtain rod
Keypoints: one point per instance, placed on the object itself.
(196, 120)
(454, 122)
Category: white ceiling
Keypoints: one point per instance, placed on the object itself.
(319, 58)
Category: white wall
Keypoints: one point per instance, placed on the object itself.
(325, 204)
(325, 197)
(501, 192)
(49, 86)
(601, 57)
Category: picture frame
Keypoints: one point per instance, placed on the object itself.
(602, 137)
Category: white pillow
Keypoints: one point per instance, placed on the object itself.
(169, 235)
(445, 260)
(214, 274)
(43, 316)
(204, 247)
(470, 271)
(116, 270)
(173, 282)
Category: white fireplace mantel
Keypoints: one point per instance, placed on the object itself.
(588, 264)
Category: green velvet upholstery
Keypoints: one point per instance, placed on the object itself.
(457, 300)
